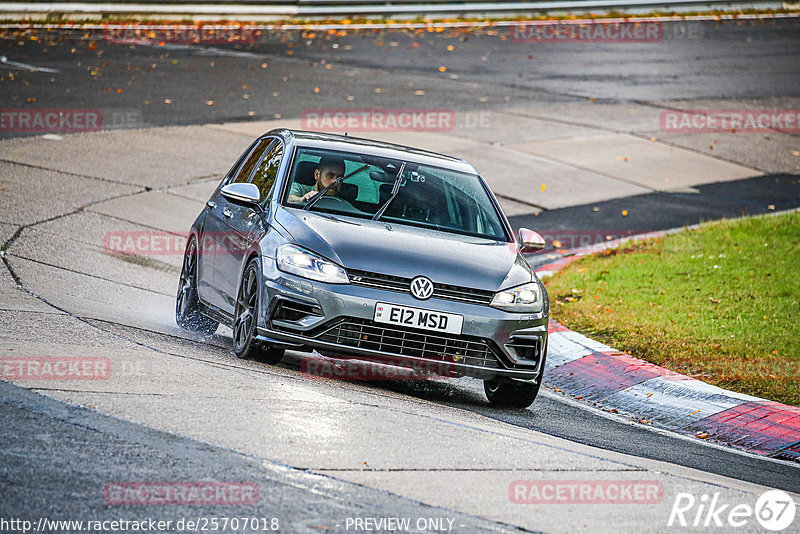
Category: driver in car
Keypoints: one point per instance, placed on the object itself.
(328, 170)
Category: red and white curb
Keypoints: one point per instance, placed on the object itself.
(615, 381)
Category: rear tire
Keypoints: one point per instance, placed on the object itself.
(511, 394)
(188, 313)
(245, 344)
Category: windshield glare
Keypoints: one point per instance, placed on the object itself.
(429, 197)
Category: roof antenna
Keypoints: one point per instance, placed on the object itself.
(345, 134)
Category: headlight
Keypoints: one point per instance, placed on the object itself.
(522, 299)
(296, 260)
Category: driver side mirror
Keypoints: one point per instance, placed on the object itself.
(242, 194)
(530, 241)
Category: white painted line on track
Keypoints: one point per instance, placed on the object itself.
(4, 62)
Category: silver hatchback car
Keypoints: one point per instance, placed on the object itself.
(371, 251)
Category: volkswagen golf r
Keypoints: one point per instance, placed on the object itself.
(366, 250)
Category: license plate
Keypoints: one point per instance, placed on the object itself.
(418, 318)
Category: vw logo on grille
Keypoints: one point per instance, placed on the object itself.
(422, 287)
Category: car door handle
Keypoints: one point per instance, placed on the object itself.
(227, 213)
(211, 204)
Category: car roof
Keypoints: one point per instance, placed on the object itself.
(345, 143)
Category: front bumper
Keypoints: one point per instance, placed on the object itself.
(337, 320)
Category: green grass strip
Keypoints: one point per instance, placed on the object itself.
(720, 303)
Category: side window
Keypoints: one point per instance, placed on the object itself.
(232, 172)
(252, 159)
(266, 173)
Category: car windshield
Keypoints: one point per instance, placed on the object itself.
(393, 190)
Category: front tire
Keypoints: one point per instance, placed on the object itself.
(188, 312)
(245, 344)
(511, 394)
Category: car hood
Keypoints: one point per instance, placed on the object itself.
(407, 251)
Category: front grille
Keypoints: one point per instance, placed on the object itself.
(403, 285)
(399, 341)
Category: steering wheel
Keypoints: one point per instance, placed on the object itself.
(336, 203)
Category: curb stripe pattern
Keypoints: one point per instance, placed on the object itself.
(620, 383)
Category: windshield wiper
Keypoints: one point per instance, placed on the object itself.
(321, 192)
(395, 191)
